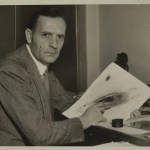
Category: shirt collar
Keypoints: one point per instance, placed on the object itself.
(39, 65)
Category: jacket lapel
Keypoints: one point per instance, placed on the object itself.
(35, 75)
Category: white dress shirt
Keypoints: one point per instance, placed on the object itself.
(42, 68)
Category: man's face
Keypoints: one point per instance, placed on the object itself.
(47, 39)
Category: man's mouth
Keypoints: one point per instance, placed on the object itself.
(51, 53)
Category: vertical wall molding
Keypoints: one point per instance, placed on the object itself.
(92, 40)
(88, 52)
(81, 48)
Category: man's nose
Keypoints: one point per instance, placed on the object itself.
(53, 42)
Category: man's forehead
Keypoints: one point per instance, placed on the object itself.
(51, 24)
(51, 20)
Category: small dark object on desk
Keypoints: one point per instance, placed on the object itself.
(117, 123)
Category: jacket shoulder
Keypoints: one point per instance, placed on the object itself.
(13, 62)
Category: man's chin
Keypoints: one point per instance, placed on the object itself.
(51, 61)
(46, 63)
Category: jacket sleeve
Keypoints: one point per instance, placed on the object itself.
(62, 99)
(24, 109)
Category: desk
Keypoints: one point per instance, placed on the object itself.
(137, 136)
(104, 133)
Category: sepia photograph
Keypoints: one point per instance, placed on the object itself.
(75, 74)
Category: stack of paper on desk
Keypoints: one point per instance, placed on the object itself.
(122, 143)
(130, 93)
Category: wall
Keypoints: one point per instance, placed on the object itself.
(126, 28)
(7, 30)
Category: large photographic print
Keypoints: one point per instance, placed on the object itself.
(117, 90)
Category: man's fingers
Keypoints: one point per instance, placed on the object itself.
(101, 107)
(131, 116)
(136, 113)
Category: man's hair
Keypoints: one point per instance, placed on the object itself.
(46, 11)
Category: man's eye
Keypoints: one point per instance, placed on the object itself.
(46, 35)
(61, 37)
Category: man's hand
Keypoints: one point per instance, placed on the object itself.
(135, 114)
(92, 116)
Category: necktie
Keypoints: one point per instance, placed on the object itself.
(46, 81)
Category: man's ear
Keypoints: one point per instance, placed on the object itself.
(28, 34)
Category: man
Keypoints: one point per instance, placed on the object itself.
(26, 103)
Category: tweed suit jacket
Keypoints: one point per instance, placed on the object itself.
(26, 112)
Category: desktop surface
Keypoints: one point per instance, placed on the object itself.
(135, 131)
